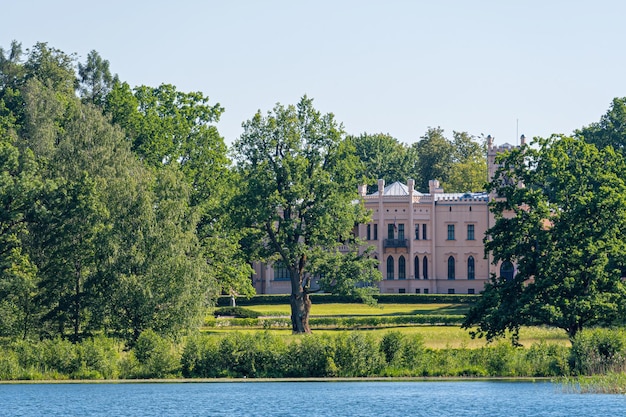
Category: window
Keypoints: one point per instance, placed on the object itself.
(425, 290)
(451, 267)
(401, 290)
(470, 268)
(401, 268)
(450, 232)
(390, 231)
(401, 231)
(416, 264)
(470, 232)
(424, 231)
(507, 270)
(450, 290)
(390, 267)
(375, 231)
(281, 273)
(369, 232)
(471, 291)
(417, 232)
(425, 267)
(417, 291)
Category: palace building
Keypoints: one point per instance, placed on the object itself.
(425, 243)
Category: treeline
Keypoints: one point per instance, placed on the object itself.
(345, 354)
(110, 202)
(115, 201)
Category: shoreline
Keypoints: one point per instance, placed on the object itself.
(269, 380)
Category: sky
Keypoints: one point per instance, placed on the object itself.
(499, 68)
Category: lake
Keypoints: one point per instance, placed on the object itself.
(306, 399)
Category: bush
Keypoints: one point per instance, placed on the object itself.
(237, 312)
(9, 365)
(357, 355)
(277, 299)
(311, 356)
(201, 358)
(155, 355)
(599, 351)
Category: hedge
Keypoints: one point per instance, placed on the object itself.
(343, 322)
(281, 299)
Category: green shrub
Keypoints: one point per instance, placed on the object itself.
(599, 351)
(238, 312)
(9, 365)
(251, 355)
(99, 359)
(547, 360)
(201, 358)
(391, 346)
(278, 299)
(311, 356)
(155, 355)
(60, 357)
(356, 355)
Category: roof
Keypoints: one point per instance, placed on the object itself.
(397, 189)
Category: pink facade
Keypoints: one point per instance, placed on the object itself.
(428, 243)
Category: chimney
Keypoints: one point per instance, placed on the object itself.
(362, 190)
(434, 188)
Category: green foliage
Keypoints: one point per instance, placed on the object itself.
(238, 312)
(565, 230)
(277, 299)
(599, 351)
(299, 181)
(156, 356)
(356, 355)
(383, 157)
(610, 130)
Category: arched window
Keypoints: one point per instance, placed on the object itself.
(507, 270)
(470, 268)
(417, 267)
(425, 267)
(281, 273)
(390, 267)
(451, 267)
(401, 268)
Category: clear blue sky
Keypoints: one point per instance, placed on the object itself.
(486, 67)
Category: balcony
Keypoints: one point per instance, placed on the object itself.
(396, 243)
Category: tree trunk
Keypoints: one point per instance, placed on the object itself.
(300, 306)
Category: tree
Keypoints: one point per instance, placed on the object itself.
(95, 79)
(610, 130)
(469, 166)
(299, 192)
(383, 157)
(171, 129)
(561, 219)
(19, 189)
(435, 154)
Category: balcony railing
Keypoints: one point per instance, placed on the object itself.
(396, 243)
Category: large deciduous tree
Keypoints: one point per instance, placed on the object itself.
(561, 219)
(298, 192)
(384, 157)
(435, 154)
(610, 130)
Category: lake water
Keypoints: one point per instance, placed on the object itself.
(307, 399)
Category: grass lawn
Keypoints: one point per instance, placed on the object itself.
(435, 337)
(348, 310)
